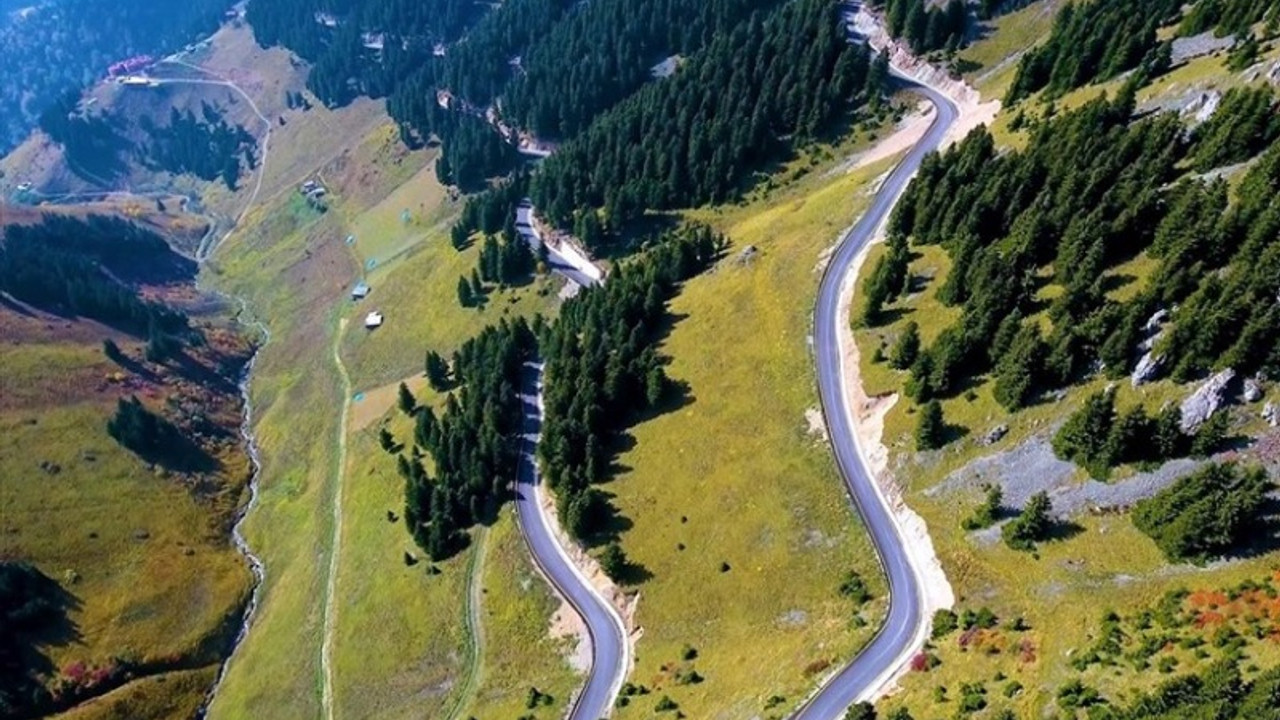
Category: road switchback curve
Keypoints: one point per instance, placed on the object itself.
(904, 626)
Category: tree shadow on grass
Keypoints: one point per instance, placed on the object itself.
(1062, 529)
(134, 367)
(952, 433)
(609, 524)
(633, 573)
(197, 373)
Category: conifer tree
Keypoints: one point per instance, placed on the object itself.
(931, 429)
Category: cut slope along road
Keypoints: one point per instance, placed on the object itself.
(904, 626)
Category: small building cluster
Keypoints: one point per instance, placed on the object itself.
(315, 194)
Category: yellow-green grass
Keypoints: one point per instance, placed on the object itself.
(1063, 594)
(1002, 42)
(293, 267)
(162, 697)
(398, 634)
(519, 653)
(149, 573)
(381, 232)
(292, 272)
(403, 648)
(736, 476)
(400, 637)
(419, 299)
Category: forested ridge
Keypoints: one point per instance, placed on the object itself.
(757, 76)
(93, 142)
(63, 46)
(206, 146)
(604, 52)
(65, 265)
(1090, 42)
(735, 106)
(1097, 41)
(603, 370)
(1034, 235)
(924, 27)
(333, 35)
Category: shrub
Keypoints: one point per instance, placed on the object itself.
(860, 711)
(944, 623)
(907, 348)
(855, 588)
(988, 512)
(613, 561)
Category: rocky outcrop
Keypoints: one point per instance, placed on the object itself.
(865, 26)
(994, 435)
(1205, 401)
(1150, 364)
(1252, 391)
(1156, 321)
(1271, 413)
(1148, 369)
(1203, 107)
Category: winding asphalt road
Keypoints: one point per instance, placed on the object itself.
(610, 651)
(904, 626)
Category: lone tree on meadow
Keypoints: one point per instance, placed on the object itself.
(408, 403)
(1032, 524)
(613, 561)
(932, 429)
(988, 512)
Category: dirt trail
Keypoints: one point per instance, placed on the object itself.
(475, 627)
(335, 544)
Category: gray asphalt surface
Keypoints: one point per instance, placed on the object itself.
(608, 637)
(904, 617)
(558, 262)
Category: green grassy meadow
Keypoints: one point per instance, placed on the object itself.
(148, 575)
(734, 504)
(519, 653)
